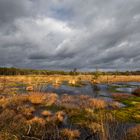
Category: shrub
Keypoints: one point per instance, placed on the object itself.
(136, 92)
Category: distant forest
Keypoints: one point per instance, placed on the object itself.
(17, 71)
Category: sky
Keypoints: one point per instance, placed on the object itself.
(67, 34)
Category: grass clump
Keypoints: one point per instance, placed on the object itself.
(70, 134)
(133, 133)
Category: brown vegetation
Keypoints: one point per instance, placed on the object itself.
(133, 133)
(136, 92)
(70, 134)
(45, 116)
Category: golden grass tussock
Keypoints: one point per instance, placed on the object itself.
(82, 101)
(26, 110)
(29, 88)
(57, 117)
(36, 120)
(133, 133)
(51, 99)
(3, 102)
(43, 98)
(60, 115)
(14, 101)
(7, 136)
(94, 127)
(46, 113)
(6, 115)
(70, 134)
(115, 104)
(72, 81)
(97, 103)
(37, 98)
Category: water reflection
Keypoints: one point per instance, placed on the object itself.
(95, 90)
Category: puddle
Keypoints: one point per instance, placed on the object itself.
(65, 89)
(126, 90)
(90, 90)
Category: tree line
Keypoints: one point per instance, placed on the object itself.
(17, 71)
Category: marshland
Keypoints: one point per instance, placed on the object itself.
(70, 106)
(69, 69)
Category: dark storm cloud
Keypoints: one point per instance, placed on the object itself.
(12, 9)
(63, 34)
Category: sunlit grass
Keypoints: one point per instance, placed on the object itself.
(37, 115)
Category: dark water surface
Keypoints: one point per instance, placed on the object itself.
(99, 90)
